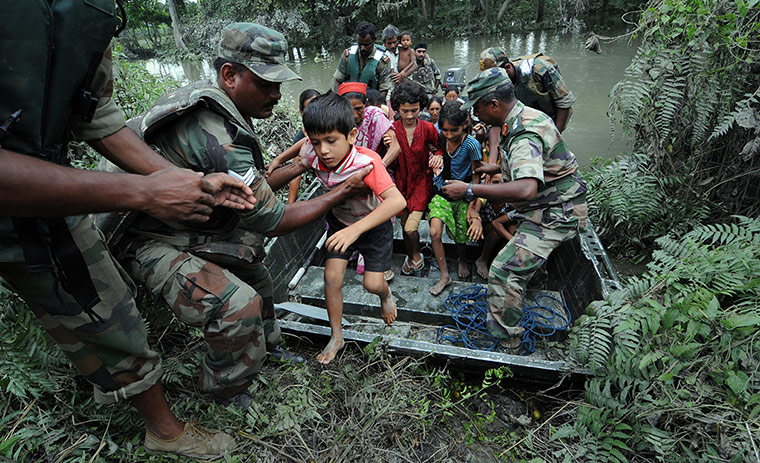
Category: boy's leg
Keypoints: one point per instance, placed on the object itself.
(489, 243)
(375, 283)
(459, 231)
(464, 269)
(335, 268)
(436, 238)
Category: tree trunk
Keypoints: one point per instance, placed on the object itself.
(540, 11)
(483, 8)
(175, 27)
(423, 7)
(502, 10)
(432, 10)
(606, 5)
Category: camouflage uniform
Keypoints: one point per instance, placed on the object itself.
(535, 149)
(540, 84)
(427, 74)
(382, 71)
(212, 276)
(107, 341)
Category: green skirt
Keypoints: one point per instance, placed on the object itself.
(453, 214)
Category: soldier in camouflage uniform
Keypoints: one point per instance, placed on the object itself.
(51, 256)
(213, 276)
(427, 74)
(537, 81)
(365, 62)
(541, 181)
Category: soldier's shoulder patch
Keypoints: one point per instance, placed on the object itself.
(385, 59)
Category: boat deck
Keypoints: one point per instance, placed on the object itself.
(577, 273)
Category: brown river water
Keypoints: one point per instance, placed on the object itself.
(589, 75)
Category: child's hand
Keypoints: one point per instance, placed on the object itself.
(272, 166)
(475, 231)
(341, 240)
(436, 163)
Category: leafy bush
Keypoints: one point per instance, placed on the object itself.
(676, 355)
(690, 100)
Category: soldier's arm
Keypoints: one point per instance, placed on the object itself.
(384, 81)
(125, 149)
(30, 187)
(560, 119)
(562, 97)
(340, 74)
(302, 213)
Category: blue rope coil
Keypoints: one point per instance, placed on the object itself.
(541, 324)
(469, 309)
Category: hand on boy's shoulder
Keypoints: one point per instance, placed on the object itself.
(355, 185)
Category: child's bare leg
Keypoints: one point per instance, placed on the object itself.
(412, 244)
(293, 187)
(464, 269)
(334, 270)
(375, 283)
(489, 244)
(436, 237)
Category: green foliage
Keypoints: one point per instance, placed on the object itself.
(679, 382)
(690, 100)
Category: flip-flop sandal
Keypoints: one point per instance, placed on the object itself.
(406, 268)
(421, 263)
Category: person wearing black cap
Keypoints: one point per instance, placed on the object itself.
(427, 74)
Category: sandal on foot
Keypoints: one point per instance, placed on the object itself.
(406, 268)
(418, 265)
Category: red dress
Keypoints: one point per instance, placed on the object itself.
(413, 176)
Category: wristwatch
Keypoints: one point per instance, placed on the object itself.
(469, 195)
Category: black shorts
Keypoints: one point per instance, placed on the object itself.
(375, 245)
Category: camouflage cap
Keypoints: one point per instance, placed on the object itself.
(492, 57)
(259, 48)
(483, 84)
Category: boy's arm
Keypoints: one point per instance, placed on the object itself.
(393, 203)
(285, 156)
(498, 226)
(285, 174)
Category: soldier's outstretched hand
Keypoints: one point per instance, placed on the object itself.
(181, 195)
(355, 183)
(228, 191)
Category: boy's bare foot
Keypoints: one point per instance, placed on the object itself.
(464, 269)
(388, 309)
(330, 351)
(481, 266)
(440, 286)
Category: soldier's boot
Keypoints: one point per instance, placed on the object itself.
(280, 354)
(241, 400)
(194, 442)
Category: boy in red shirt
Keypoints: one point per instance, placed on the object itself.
(361, 223)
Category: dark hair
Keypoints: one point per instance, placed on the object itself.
(355, 96)
(420, 45)
(405, 33)
(435, 99)
(374, 96)
(306, 95)
(410, 92)
(237, 67)
(505, 93)
(453, 113)
(366, 28)
(389, 32)
(327, 113)
(452, 88)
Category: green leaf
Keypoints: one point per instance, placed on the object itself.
(740, 321)
(738, 382)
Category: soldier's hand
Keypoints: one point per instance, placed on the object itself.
(228, 191)
(488, 168)
(454, 189)
(181, 195)
(354, 185)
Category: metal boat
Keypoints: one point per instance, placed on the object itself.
(578, 272)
